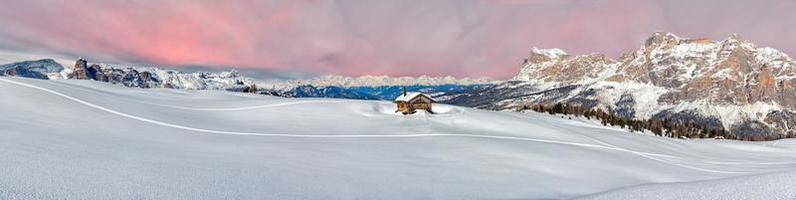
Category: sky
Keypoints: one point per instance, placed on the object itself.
(461, 38)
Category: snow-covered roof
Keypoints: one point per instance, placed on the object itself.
(410, 96)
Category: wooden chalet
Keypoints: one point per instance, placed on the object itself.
(410, 102)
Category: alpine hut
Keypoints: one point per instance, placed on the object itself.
(409, 102)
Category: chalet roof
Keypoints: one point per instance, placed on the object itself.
(411, 95)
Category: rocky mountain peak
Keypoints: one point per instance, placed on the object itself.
(735, 37)
(734, 41)
(538, 55)
(659, 39)
(556, 66)
(553, 53)
(231, 74)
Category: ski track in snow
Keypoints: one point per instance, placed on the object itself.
(668, 162)
(161, 123)
(665, 161)
(251, 107)
(647, 155)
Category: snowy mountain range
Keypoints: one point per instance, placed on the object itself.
(729, 83)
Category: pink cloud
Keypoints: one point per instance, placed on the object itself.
(460, 38)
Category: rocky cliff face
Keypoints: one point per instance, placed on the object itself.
(746, 89)
(728, 72)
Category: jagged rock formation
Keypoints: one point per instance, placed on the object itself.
(556, 66)
(150, 77)
(80, 70)
(749, 90)
(128, 77)
(40, 69)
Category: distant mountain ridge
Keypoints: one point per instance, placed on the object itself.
(373, 87)
(152, 77)
(377, 81)
(385, 92)
(330, 86)
(729, 83)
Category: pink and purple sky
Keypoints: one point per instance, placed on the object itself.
(412, 37)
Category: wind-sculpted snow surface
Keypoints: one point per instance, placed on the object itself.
(774, 186)
(70, 139)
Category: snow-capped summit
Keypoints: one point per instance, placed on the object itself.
(553, 53)
(549, 66)
(661, 38)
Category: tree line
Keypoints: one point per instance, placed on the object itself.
(659, 127)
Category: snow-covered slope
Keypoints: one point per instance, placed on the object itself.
(77, 139)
